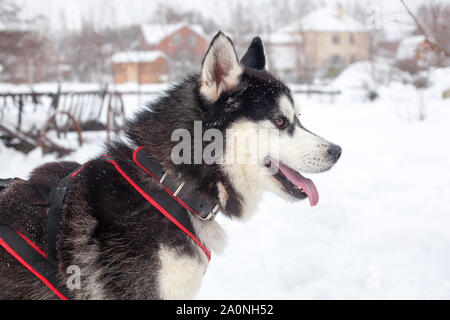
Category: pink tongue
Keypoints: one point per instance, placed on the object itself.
(300, 181)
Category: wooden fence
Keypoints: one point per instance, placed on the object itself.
(66, 111)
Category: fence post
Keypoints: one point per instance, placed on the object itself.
(102, 100)
(55, 101)
(19, 119)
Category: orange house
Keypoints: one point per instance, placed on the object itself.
(140, 67)
(174, 39)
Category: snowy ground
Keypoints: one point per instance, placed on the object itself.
(381, 229)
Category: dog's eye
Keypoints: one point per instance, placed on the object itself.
(281, 122)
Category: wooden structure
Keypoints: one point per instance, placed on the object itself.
(140, 67)
(173, 39)
(66, 112)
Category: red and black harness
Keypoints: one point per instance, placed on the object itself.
(174, 200)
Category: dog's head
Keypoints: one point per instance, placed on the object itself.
(266, 146)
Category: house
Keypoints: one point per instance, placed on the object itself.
(140, 66)
(414, 49)
(329, 36)
(164, 52)
(174, 39)
(396, 27)
(285, 55)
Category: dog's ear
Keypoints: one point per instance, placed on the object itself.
(221, 69)
(256, 56)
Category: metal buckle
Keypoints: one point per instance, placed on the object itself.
(163, 178)
(211, 214)
(178, 189)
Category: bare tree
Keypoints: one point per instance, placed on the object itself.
(86, 52)
(432, 21)
(168, 14)
(9, 12)
(26, 55)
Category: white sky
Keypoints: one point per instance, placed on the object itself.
(127, 12)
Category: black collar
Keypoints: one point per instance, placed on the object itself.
(184, 194)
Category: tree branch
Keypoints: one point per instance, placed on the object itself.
(434, 46)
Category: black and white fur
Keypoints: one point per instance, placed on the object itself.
(124, 247)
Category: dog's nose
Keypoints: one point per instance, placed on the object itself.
(335, 152)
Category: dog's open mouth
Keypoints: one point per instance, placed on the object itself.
(293, 182)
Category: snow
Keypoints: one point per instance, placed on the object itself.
(155, 33)
(284, 46)
(17, 164)
(34, 118)
(396, 24)
(137, 56)
(363, 74)
(48, 87)
(281, 38)
(326, 19)
(14, 27)
(284, 60)
(408, 47)
(52, 87)
(440, 81)
(381, 229)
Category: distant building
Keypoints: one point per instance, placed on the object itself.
(140, 66)
(285, 54)
(174, 39)
(330, 37)
(413, 48)
(396, 27)
(165, 52)
(64, 71)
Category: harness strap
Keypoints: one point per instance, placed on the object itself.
(165, 204)
(32, 258)
(55, 211)
(199, 205)
(56, 201)
(45, 266)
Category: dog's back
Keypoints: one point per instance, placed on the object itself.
(23, 207)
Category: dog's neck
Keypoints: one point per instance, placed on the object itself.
(250, 190)
(154, 127)
(207, 181)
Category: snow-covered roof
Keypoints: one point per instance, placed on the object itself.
(407, 48)
(397, 26)
(283, 58)
(155, 33)
(137, 56)
(282, 38)
(326, 19)
(14, 27)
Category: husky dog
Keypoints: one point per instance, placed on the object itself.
(124, 248)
